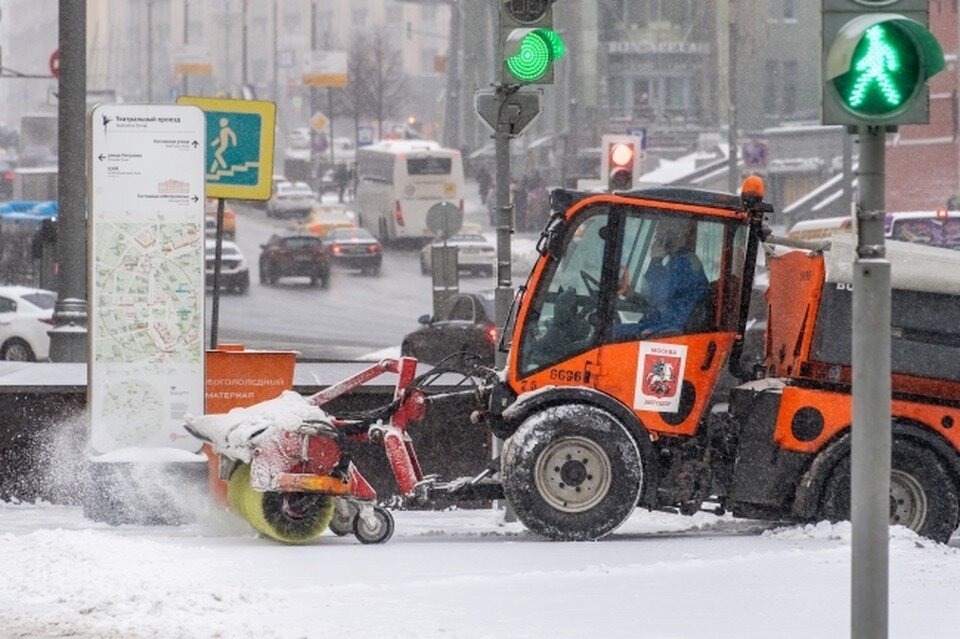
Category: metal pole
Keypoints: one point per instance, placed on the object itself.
(870, 447)
(733, 172)
(217, 255)
(451, 118)
(68, 341)
(846, 201)
(149, 50)
(276, 67)
(314, 100)
(186, 40)
(503, 297)
(504, 293)
(333, 161)
(243, 44)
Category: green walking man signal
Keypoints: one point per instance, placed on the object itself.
(876, 64)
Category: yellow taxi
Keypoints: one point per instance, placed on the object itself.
(325, 217)
(229, 219)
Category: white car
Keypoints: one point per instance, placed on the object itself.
(476, 254)
(26, 314)
(234, 272)
(291, 199)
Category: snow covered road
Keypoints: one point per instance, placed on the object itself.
(460, 573)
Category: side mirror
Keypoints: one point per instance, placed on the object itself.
(424, 319)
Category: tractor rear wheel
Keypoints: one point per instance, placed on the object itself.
(923, 495)
(572, 473)
(293, 518)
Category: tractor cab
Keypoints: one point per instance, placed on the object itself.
(639, 296)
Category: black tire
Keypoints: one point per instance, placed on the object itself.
(377, 534)
(923, 495)
(572, 473)
(325, 280)
(17, 350)
(384, 234)
(263, 274)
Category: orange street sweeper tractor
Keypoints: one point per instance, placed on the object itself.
(634, 309)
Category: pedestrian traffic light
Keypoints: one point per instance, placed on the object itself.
(876, 63)
(621, 162)
(528, 43)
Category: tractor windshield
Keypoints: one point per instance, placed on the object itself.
(667, 274)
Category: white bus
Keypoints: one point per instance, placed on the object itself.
(399, 180)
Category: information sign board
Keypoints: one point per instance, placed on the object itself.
(146, 364)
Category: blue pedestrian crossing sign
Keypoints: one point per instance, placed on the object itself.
(239, 147)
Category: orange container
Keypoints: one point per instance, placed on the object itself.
(236, 378)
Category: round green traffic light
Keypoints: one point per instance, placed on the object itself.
(533, 58)
(885, 72)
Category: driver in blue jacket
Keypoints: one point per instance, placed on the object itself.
(673, 284)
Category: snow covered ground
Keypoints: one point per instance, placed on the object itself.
(458, 573)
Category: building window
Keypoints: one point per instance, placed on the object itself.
(676, 94)
(791, 69)
(635, 13)
(770, 83)
(789, 10)
(675, 11)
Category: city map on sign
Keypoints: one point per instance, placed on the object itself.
(149, 294)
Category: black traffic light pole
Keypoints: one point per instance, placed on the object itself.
(68, 341)
(503, 296)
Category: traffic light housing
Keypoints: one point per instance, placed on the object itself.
(528, 44)
(876, 63)
(620, 164)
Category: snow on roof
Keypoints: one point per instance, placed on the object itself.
(671, 170)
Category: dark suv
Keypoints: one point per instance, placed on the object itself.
(295, 255)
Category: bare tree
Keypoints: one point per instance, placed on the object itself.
(354, 99)
(385, 78)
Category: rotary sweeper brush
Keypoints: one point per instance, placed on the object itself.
(286, 463)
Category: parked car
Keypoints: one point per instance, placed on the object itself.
(295, 255)
(229, 220)
(234, 272)
(26, 314)
(325, 217)
(476, 254)
(354, 248)
(291, 199)
(465, 324)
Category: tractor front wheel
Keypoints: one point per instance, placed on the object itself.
(572, 473)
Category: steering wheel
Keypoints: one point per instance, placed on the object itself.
(634, 302)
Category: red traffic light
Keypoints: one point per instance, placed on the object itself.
(621, 154)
